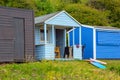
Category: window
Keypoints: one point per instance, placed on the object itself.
(42, 35)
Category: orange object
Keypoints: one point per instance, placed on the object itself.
(57, 52)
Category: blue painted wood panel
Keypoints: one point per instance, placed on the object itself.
(76, 36)
(37, 35)
(63, 19)
(71, 38)
(87, 41)
(44, 52)
(108, 44)
(40, 52)
(108, 52)
(108, 38)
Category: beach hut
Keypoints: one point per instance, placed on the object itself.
(50, 34)
(84, 38)
(16, 35)
(97, 42)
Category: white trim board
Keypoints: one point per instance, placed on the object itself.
(53, 17)
(73, 18)
(73, 36)
(70, 30)
(65, 36)
(80, 36)
(94, 43)
(68, 39)
(87, 26)
(67, 26)
(102, 29)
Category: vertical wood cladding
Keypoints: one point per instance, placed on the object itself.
(16, 41)
(19, 38)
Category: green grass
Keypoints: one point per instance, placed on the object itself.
(60, 70)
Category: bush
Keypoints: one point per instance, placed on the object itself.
(87, 15)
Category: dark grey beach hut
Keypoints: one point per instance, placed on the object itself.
(16, 35)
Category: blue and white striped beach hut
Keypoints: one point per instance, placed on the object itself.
(50, 31)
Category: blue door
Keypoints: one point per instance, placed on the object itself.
(60, 40)
(87, 42)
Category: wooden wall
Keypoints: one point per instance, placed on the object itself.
(8, 34)
(107, 44)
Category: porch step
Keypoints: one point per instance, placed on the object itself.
(64, 59)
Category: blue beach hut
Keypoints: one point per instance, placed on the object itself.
(50, 32)
(98, 42)
(84, 38)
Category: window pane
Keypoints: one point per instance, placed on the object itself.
(42, 35)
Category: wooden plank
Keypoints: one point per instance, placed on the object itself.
(6, 46)
(19, 38)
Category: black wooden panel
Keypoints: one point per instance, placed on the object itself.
(7, 46)
(19, 38)
(6, 38)
(6, 57)
(8, 32)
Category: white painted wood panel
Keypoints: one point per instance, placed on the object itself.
(49, 52)
(77, 52)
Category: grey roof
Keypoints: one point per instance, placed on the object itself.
(43, 18)
(102, 27)
(106, 27)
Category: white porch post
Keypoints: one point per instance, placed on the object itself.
(68, 39)
(80, 41)
(45, 33)
(65, 36)
(80, 36)
(73, 36)
(94, 43)
(53, 34)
